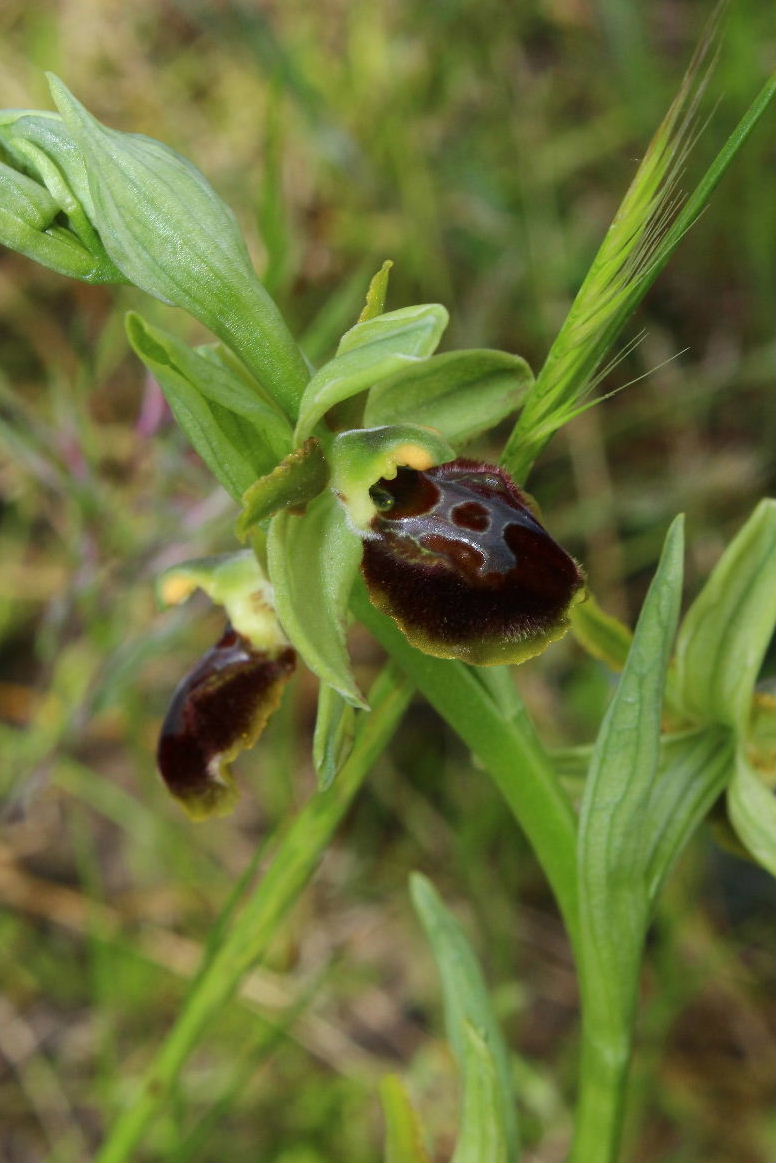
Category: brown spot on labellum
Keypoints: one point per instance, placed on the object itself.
(471, 515)
(219, 709)
(462, 564)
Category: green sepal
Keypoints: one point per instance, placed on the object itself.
(313, 560)
(462, 393)
(726, 631)
(236, 433)
(298, 479)
(168, 232)
(359, 459)
(335, 727)
(234, 581)
(367, 353)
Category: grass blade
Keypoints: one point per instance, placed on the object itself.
(295, 860)
(482, 1134)
(404, 1138)
(489, 1107)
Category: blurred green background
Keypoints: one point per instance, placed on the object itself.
(483, 146)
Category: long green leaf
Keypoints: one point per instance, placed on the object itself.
(621, 821)
(489, 1115)
(615, 816)
(726, 631)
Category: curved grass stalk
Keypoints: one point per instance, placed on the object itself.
(296, 859)
(649, 225)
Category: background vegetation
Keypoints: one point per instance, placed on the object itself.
(484, 147)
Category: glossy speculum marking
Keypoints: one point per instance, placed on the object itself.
(218, 710)
(455, 555)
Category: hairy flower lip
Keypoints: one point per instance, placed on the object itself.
(218, 710)
(464, 567)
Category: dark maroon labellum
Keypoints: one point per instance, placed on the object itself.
(218, 710)
(458, 559)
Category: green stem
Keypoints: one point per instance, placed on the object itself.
(296, 859)
(603, 1076)
(508, 748)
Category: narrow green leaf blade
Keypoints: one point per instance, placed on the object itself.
(726, 631)
(468, 1012)
(369, 352)
(404, 1138)
(482, 1134)
(752, 811)
(616, 822)
(313, 560)
(461, 393)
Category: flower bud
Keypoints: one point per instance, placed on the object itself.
(455, 555)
